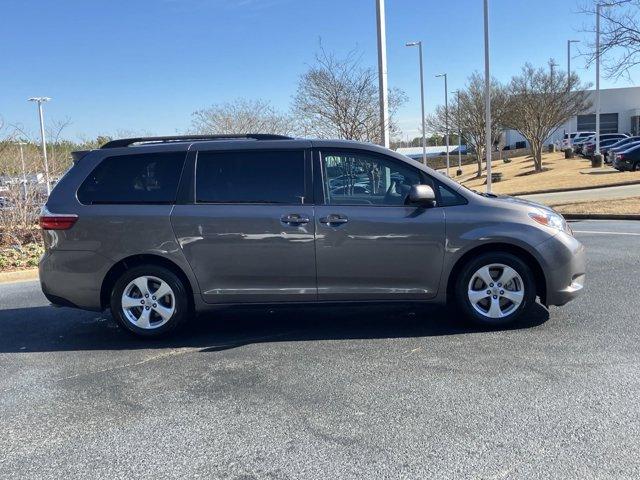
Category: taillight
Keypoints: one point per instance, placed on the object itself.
(620, 156)
(57, 221)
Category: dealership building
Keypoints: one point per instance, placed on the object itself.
(619, 113)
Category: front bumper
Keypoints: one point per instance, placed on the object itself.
(564, 268)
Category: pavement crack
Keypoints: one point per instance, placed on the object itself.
(159, 356)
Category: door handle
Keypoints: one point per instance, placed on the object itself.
(334, 219)
(294, 219)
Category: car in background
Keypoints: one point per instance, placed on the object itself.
(613, 152)
(589, 144)
(570, 138)
(628, 160)
(579, 144)
(620, 145)
(590, 147)
(5, 203)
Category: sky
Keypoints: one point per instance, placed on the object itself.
(143, 66)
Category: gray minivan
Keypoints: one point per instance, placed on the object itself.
(161, 228)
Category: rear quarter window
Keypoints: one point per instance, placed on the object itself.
(147, 178)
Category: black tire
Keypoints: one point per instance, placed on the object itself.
(180, 303)
(465, 276)
(636, 167)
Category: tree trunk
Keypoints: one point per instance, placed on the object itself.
(537, 157)
(479, 158)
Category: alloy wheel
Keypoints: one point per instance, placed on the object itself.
(148, 302)
(495, 290)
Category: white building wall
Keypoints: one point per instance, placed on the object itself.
(623, 101)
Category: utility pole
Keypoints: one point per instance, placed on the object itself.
(569, 42)
(459, 172)
(40, 101)
(446, 115)
(424, 131)
(487, 95)
(383, 93)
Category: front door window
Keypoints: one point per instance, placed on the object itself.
(362, 179)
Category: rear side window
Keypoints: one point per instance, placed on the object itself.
(148, 178)
(250, 177)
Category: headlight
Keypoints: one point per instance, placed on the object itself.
(551, 219)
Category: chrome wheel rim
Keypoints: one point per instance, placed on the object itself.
(148, 302)
(495, 290)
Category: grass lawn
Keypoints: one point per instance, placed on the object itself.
(626, 206)
(560, 174)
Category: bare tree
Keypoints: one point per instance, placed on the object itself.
(338, 98)
(619, 36)
(54, 137)
(241, 116)
(540, 102)
(468, 115)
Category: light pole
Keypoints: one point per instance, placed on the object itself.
(424, 133)
(569, 42)
(487, 95)
(446, 115)
(459, 172)
(382, 74)
(40, 101)
(598, 8)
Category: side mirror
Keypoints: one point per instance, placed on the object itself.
(422, 195)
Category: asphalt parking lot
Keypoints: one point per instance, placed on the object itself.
(371, 392)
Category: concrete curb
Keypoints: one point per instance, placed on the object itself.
(19, 276)
(560, 190)
(600, 216)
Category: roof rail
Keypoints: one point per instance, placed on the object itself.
(126, 142)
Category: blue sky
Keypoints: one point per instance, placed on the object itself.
(146, 65)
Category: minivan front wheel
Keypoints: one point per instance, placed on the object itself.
(149, 301)
(495, 289)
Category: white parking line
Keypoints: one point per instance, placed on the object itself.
(607, 233)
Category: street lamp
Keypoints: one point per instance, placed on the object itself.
(487, 95)
(382, 74)
(459, 172)
(40, 101)
(446, 115)
(569, 42)
(424, 133)
(598, 8)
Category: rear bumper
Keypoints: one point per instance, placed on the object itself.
(623, 166)
(564, 268)
(72, 278)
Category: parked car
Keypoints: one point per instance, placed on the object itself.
(5, 203)
(620, 143)
(628, 159)
(613, 152)
(160, 228)
(570, 138)
(590, 147)
(578, 144)
(585, 145)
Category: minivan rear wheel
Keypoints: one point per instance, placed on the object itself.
(495, 289)
(149, 300)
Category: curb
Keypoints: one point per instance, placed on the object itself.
(600, 216)
(560, 190)
(19, 276)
